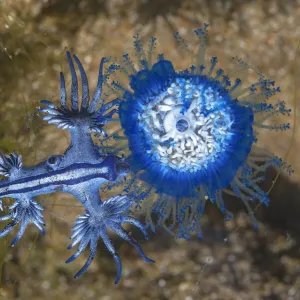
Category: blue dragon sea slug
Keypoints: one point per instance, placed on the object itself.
(192, 135)
(80, 171)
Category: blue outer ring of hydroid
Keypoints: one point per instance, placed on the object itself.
(147, 85)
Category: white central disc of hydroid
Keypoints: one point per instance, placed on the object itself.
(188, 125)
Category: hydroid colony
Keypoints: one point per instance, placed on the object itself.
(192, 134)
(185, 137)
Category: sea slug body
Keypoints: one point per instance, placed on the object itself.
(80, 171)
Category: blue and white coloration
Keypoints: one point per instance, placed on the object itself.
(192, 135)
(80, 171)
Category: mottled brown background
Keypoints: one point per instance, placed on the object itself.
(232, 261)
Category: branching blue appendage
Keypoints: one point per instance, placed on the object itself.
(23, 211)
(88, 114)
(89, 228)
(10, 163)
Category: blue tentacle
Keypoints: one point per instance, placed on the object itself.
(63, 93)
(98, 92)
(91, 226)
(85, 84)
(109, 245)
(119, 230)
(74, 86)
(93, 249)
(21, 231)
